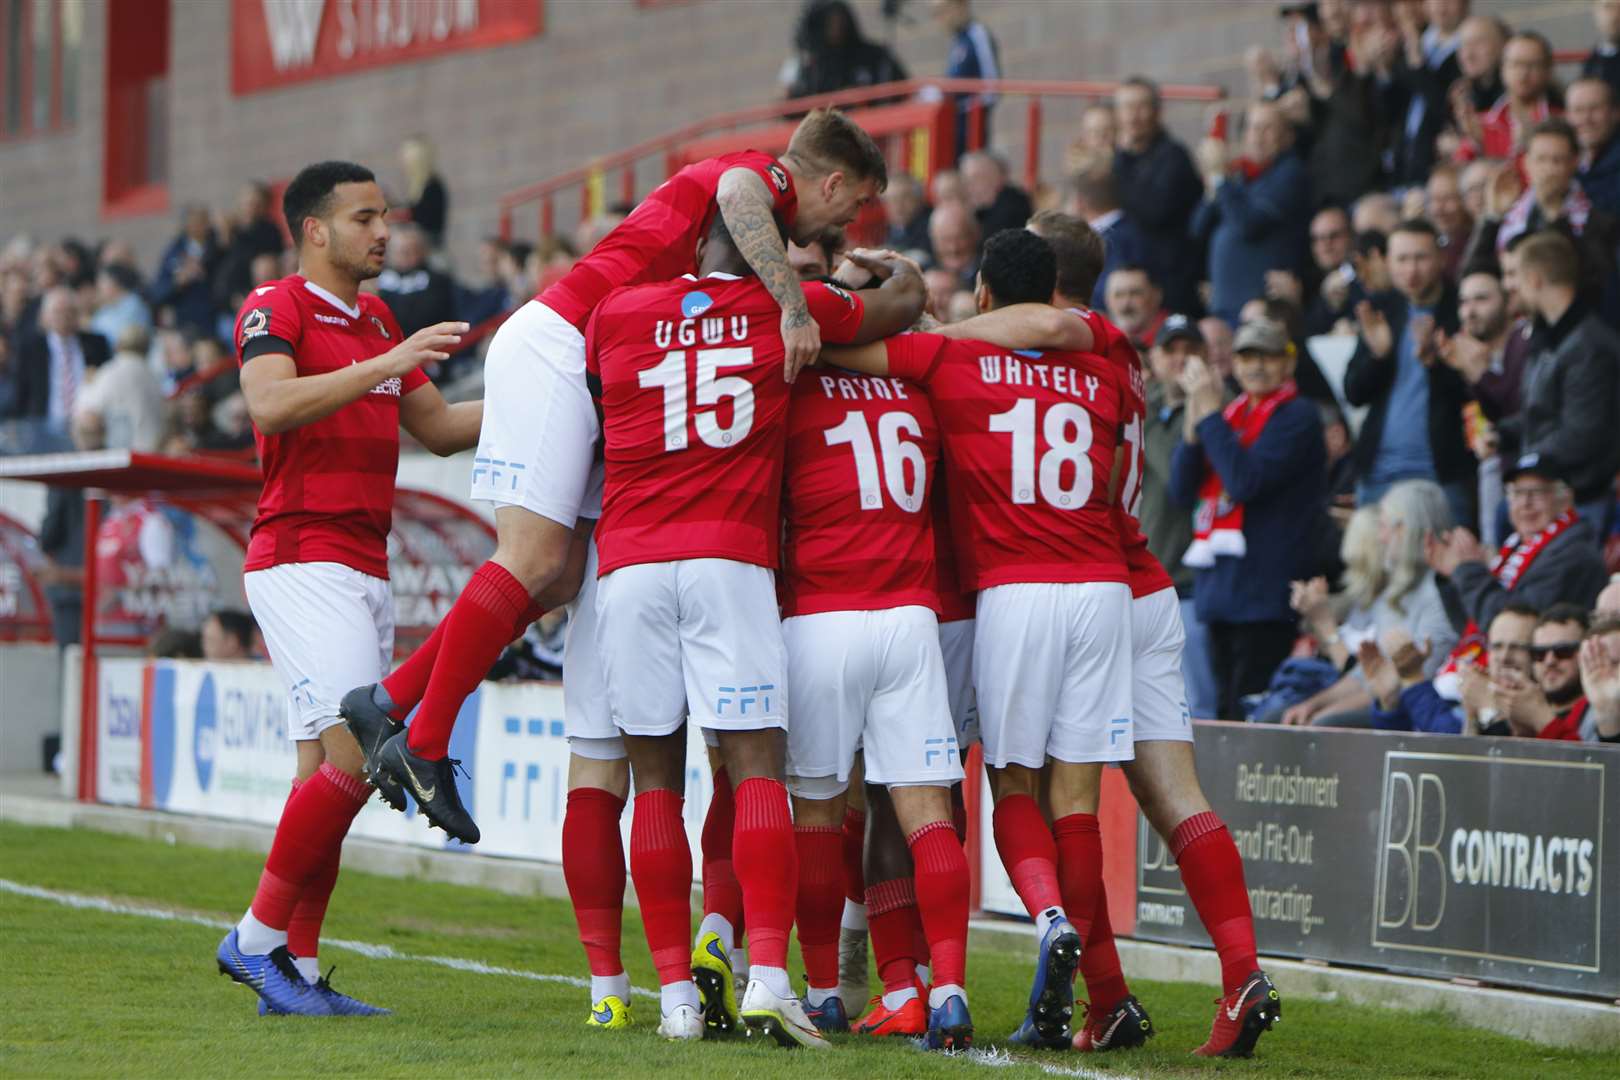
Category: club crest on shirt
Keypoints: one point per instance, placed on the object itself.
(381, 328)
(779, 176)
(255, 323)
(694, 304)
(842, 294)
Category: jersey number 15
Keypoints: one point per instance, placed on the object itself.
(711, 387)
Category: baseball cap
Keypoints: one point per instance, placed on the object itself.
(1534, 462)
(1178, 328)
(1261, 336)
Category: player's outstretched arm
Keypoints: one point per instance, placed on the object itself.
(279, 399)
(869, 359)
(893, 306)
(438, 425)
(1025, 326)
(745, 204)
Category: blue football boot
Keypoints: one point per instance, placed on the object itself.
(829, 1015)
(343, 1004)
(949, 1026)
(1051, 997)
(273, 977)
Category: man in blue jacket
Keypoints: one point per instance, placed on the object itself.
(1255, 212)
(1255, 474)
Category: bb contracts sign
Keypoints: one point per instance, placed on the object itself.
(1444, 856)
(280, 42)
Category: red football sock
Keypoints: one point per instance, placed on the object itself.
(661, 864)
(854, 847)
(406, 685)
(1079, 844)
(1099, 962)
(942, 899)
(477, 628)
(892, 922)
(593, 866)
(1213, 873)
(767, 866)
(721, 894)
(304, 931)
(1028, 852)
(310, 834)
(820, 900)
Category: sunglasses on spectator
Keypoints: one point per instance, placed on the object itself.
(1564, 650)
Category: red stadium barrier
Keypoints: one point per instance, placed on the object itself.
(592, 180)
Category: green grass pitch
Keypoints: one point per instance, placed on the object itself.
(90, 992)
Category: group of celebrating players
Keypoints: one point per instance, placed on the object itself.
(844, 541)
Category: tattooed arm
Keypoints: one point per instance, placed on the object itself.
(745, 204)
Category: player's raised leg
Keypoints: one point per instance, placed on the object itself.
(534, 463)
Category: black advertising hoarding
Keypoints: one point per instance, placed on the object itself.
(1436, 855)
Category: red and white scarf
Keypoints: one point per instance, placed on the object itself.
(1577, 210)
(1517, 555)
(1218, 521)
(1508, 567)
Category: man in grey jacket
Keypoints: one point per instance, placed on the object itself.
(1570, 393)
(1552, 556)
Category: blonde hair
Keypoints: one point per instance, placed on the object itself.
(1363, 559)
(828, 141)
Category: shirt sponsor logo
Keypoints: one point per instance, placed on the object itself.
(694, 304)
(392, 387)
(334, 320)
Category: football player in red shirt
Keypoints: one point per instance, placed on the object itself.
(329, 379)
(1162, 775)
(694, 425)
(535, 452)
(1030, 440)
(859, 606)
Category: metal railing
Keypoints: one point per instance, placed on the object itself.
(594, 179)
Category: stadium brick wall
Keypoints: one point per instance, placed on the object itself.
(606, 73)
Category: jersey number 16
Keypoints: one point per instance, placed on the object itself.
(896, 453)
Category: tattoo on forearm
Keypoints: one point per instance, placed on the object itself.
(754, 231)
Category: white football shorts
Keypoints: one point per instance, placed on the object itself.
(1052, 667)
(587, 721)
(537, 445)
(328, 628)
(1158, 691)
(956, 644)
(875, 681)
(698, 637)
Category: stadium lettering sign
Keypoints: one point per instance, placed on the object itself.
(277, 42)
(1436, 855)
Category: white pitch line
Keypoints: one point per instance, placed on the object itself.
(375, 952)
(992, 1058)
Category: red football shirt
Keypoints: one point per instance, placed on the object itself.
(1029, 438)
(858, 522)
(1148, 575)
(329, 485)
(694, 416)
(658, 241)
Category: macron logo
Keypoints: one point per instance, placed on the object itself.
(262, 289)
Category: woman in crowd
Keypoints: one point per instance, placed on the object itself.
(1405, 597)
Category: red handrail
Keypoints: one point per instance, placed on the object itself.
(544, 191)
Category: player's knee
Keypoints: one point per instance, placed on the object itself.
(599, 763)
(817, 800)
(533, 549)
(750, 755)
(917, 805)
(342, 751)
(1012, 780)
